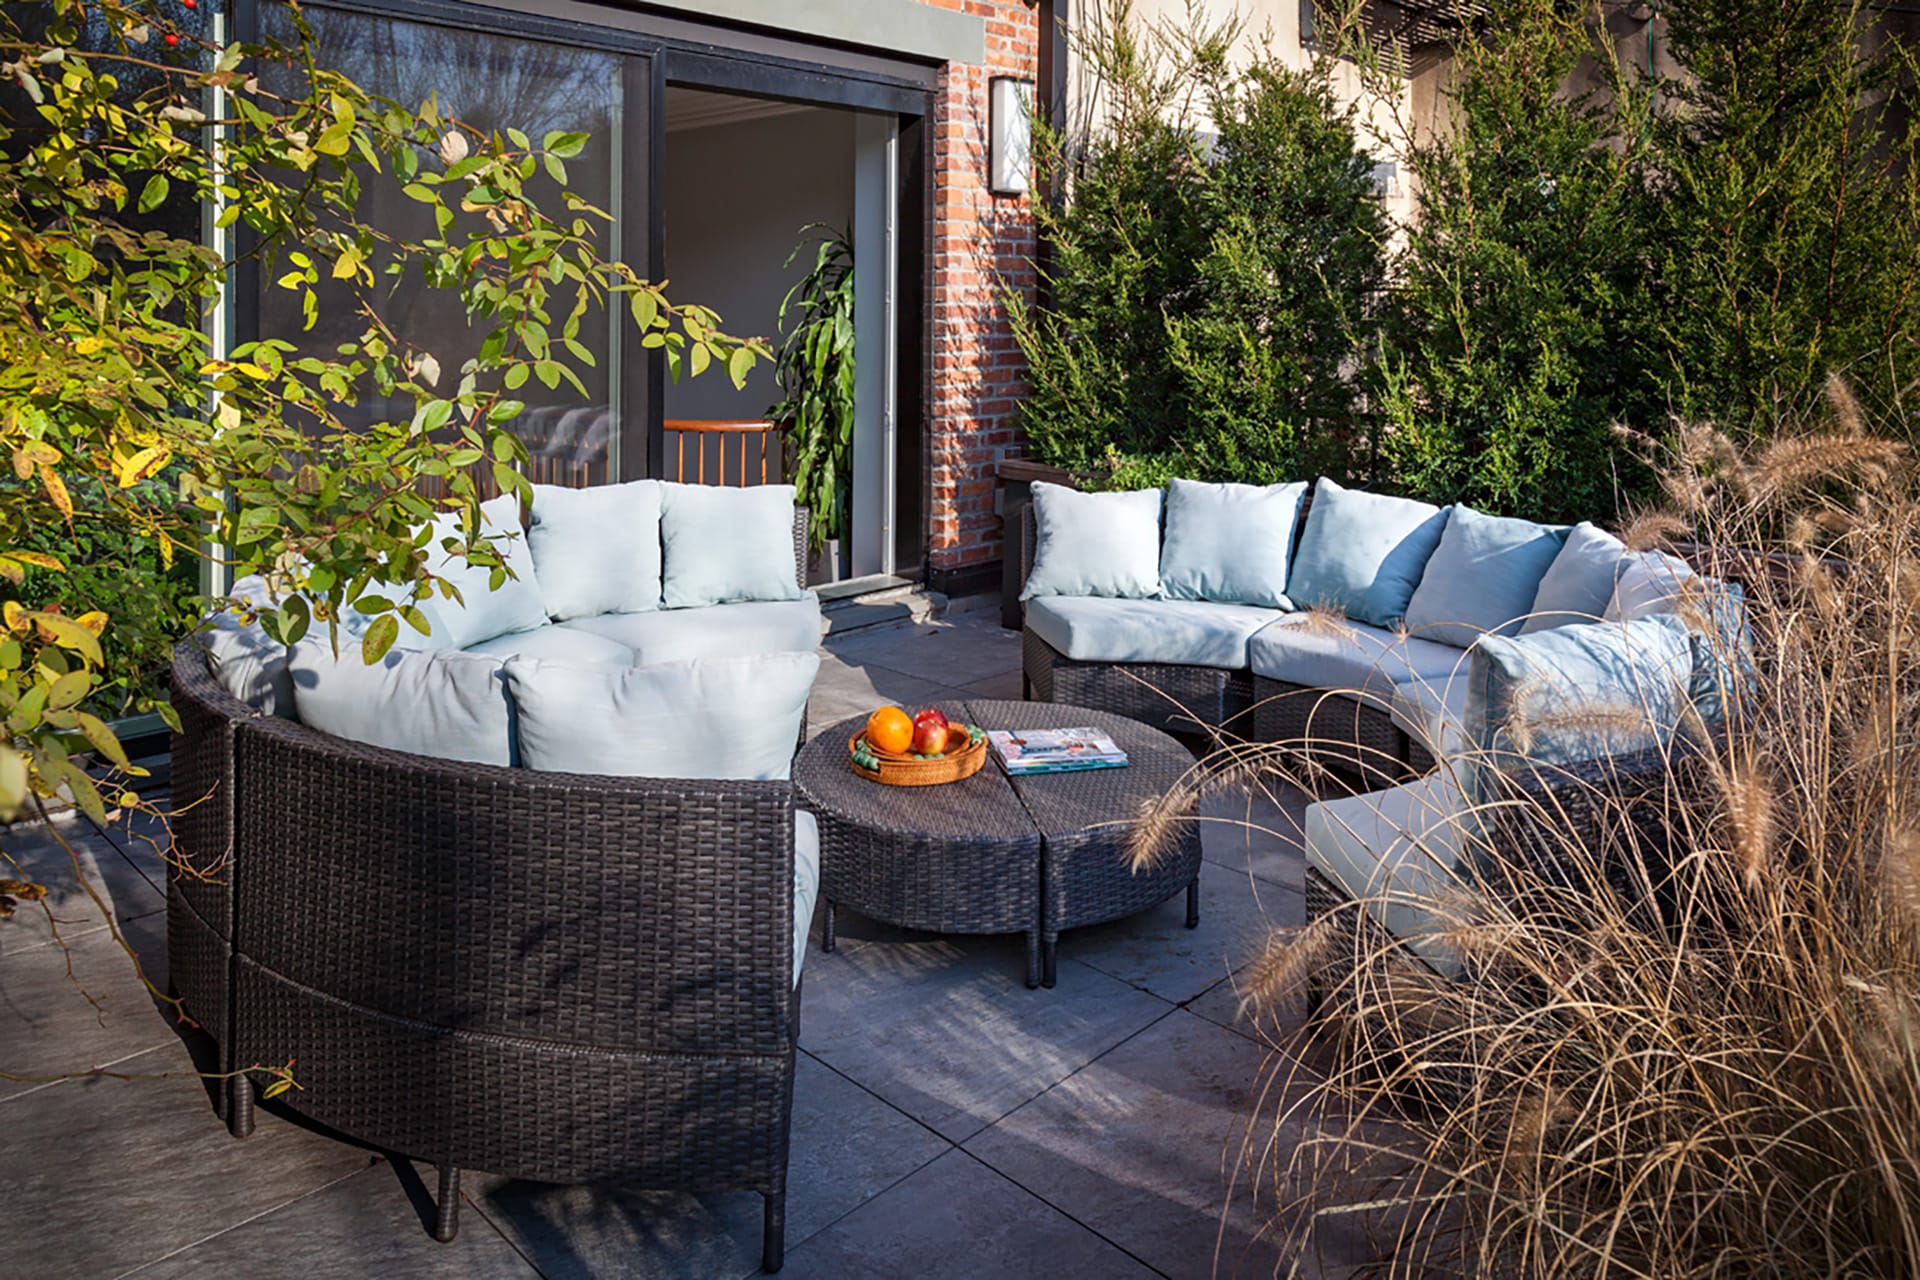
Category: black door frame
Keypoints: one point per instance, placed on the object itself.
(682, 51)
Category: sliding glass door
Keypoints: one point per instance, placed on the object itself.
(495, 82)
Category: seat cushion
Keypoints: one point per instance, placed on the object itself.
(717, 631)
(806, 883)
(1433, 711)
(1324, 652)
(722, 545)
(1094, 544)
(436, 702)
(483, 612)
(1230, 542)
(597, 549)
(708, 718)
(1395, 851)
(556, 642)
(1482, 577)
(1578, 585)
(1362, 554)
(1190, 633)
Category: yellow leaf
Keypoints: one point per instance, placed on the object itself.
(15, 615)
(38, 559)
(90, 345)
(57, 491)
(94, 621)
(143, 464)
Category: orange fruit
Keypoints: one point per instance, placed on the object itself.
(890, 729)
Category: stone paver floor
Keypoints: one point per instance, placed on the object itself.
(948, 1122)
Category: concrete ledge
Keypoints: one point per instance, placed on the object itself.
(895, 26)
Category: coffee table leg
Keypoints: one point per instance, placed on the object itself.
(1050, 960)
(1193, 904)
(826, 930)
(1033, 958)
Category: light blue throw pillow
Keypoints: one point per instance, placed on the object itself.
(1482, 578)
(1575, 693)
(439, 703)
(1578, 585)
(483, 611)
(1094, 544)
(1363, 553)
(597, 550)
(708, 718)
(722, 545)
(1230, 542)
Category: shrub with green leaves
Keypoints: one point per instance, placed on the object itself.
(1215, 262)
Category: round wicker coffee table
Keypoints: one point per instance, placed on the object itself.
(992, 854)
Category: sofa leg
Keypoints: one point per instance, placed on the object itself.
(1193, 903)
(1026, 687)
(1050, 960)
(826, 929)
(1033, 959)
(446, 1215)
(239, 1105)
(773, 1232)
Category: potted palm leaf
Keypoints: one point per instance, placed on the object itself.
(813, 369)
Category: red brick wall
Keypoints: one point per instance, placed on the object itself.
(979, 242)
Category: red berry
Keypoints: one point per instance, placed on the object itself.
(173, 41)
(191, 4)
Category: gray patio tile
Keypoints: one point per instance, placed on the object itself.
(1258, 833)
(842, 691)
(1005, 686)
(362, 1225)
(848, 1147)
(48, 1027)
(969, 649)
(1143, 1146)
(120, 883)
(123, 1172)
(956, 1219)
(946, 1029)
(1220, 1005)
(1155, 950)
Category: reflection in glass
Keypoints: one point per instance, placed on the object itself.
(491, 83)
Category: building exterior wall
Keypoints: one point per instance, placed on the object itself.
(979, 244)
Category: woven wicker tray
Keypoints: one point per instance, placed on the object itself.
(896, 770)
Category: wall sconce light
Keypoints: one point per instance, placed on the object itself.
(1010, 135)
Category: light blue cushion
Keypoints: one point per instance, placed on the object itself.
(249, 664)
(1362, 553)
(1578, 585)
(806, 883)
(709, 718)
(597, 550)
(1230, 542)
(722, 544)
(557, 642)
(1398, 852)
(1190, 633)
(483, 613)
(440, 703)
(717, 631)
(1324, 652)
(1094, 544)
(1482, 578)
(1576, 693)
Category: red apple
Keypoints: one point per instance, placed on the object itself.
(931, 715)
(929, 737)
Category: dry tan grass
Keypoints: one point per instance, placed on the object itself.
(1693, 1054)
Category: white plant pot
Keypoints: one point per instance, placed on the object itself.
(823, 566)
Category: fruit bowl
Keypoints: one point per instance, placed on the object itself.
(968, 751)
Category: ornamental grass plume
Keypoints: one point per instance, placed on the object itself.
(1684, 1038)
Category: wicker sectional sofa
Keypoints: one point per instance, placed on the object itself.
(559, 976)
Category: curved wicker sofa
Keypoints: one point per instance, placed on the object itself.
(553, 977)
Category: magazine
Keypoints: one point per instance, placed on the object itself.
(1025, 751)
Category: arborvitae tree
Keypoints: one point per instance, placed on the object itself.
(1215, 263)
(1787, 242)
(1516, 337)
